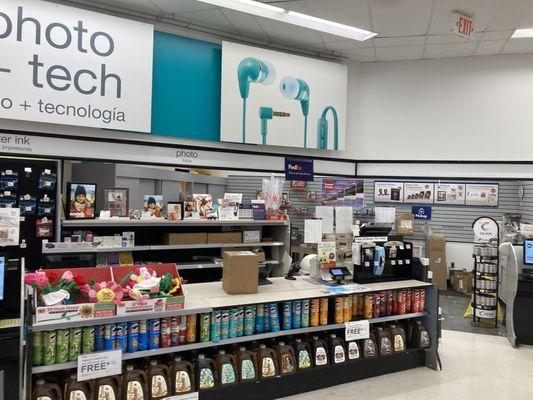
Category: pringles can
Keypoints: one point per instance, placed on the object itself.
(274, 317)
(216, 325)
(37, 348)
(224, 325)
(109, 337)
(49, 347)
(260, 319)
(249, 320)
(154, 333)
(74, 347)
(99, 331)
(143, 335)
(339, 313)
(315, 312)
(296, 314)
(165, 333)
(347, 308)
(287, 315)
(240, 321)
(62, 344)
(369, 306)
(174, 331)
(87, 340)
(233, 321)
(305, 313)
(205, 327)
(133, 336)
(323, 318)
(191, 328)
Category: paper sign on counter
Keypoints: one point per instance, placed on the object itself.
(326, 214)
(98, 365)
(343, 219)
(356, 330)
(312, 231)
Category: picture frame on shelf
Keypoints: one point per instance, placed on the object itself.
(204, 205)
(190, 210)
(81, 200)
(175, 210)
(153, 204)
(117, 201)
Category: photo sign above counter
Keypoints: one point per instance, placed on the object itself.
(480, 194)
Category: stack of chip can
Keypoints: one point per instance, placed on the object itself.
(249, 320)
(347, 308)
(62, 345)
(368, 306)
(74, 348)
(165, 340)
(205, 327)
(296, 314)
(323, 318)
(339, 311)
(143, 335)
(240, 321)
(121, 336)
(216, 325)
(191, 328)
(99, 332)
(305, 313)
(224, 326)
(174, 331)
(315, 312)
(87, 340)
(49, 347)
(37, 348)
(260, 319)
(286, 315)
(133, 336)
(233, 321)
(274, 317)
(154, 332)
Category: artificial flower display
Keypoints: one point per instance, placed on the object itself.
(50, 289)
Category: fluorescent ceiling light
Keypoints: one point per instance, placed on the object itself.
(294, 18)
(522, 33)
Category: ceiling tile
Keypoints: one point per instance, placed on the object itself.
(509, 14)
(442, 17)
(246, 24)
(400, 41)
(173, 6)
(213, 19)
(514, 46)
(143, 6)
(349, 44)
(284, 33)
(361, 55)
(400, 53)
(348, 12)
(497, 35)
(450, 50)
(400, 17)
(489, 47)
(452, 38)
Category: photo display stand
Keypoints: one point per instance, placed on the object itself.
(486, 270)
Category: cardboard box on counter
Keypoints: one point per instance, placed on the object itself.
(437, 260)
(463, 281)
(224, 237)
(405, 223)
(185, 238)
(240, 272)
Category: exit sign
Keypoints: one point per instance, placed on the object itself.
(463, 25)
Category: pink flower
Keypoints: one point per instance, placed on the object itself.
(36, 279)
(105, 292)
(68, 276)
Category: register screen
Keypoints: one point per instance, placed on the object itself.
(528, 252)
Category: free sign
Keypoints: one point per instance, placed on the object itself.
(98, 365)
(356, 330)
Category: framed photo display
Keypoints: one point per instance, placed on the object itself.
(81, 200)
(174, 211)
(117, 201)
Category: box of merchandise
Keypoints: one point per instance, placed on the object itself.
(404, 223)
(436, 249)
(240, 272)
(224, 237)
(463, 282)
(185, 238)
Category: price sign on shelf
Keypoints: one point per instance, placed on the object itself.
(98, 365)
(356, 330)
(188, 396)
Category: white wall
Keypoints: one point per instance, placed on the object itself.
(474, 108)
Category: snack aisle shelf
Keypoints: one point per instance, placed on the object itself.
(242, 339)
(126, 222)
(75, 250)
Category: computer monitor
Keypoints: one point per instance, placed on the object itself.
(528, 251)
(2, 275)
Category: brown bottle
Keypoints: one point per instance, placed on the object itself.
(246, 365)
(226, 366)
(302, 351)
(205, 373)
(421, 336)
(370, 347)
(158, 380)
(134, 384)
(265, 359)
(75, 390)
(181, 376)
(107, 388)
(353, 350)
(286, 358)
(320, 352)
(384, 342)
(46, 391)
(397, 335)
(337, 350)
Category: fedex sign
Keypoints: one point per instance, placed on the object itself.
(298, 169)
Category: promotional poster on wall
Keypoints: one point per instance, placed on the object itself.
(419, 192)
(70, 66)
(343, 192)
(450, 193)
(267, 94)
(388, 192)
(485, 194)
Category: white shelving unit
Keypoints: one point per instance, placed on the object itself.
(125, 222)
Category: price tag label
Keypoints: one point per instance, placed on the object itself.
(188, 396)
(356, 330)
(98, 365)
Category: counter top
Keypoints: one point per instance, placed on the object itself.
(212, 295)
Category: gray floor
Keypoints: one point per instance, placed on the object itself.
(453, 305)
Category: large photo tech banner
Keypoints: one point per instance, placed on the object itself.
(69, 66)
(280, 99)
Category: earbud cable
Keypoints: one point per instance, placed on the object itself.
(305, 132)
(244, 120)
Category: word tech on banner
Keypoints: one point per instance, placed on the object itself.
(69, 66)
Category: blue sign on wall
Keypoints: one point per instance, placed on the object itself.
(298, 169)
(186, 88)
(422, 212)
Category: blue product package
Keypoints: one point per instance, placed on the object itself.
(99, 337)
(154, 330)
(240, 321)
(296, 314)
(260, 319)
(379, 261)
(224, 325)
(109, 336)
(274, 317)
(216, 325)
(233, 321)
(305, 313)
(266, 320)
(249, 320)
(133, 336)
(121, 336)
(143, 335)
(287, 318)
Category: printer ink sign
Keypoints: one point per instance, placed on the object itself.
(64, 65)
(421, 213)
(298, 170)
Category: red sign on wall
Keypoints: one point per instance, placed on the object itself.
(463, 25)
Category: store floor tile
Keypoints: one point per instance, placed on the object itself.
(475, 367)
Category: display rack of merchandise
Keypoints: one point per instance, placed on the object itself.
(402, 317)
(485, 285)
